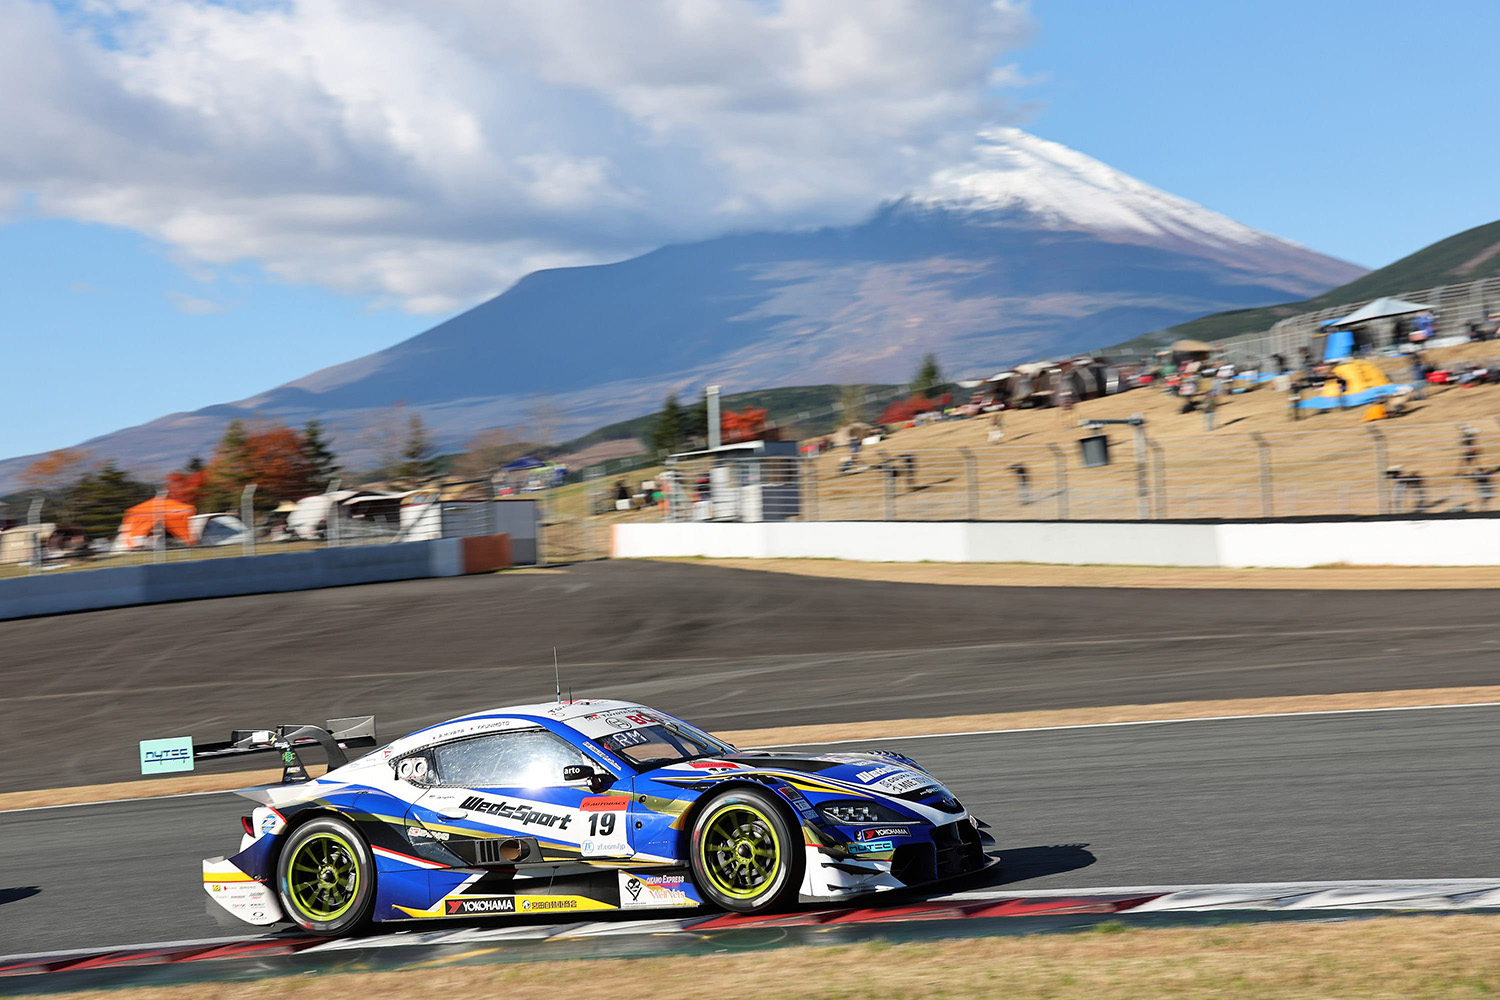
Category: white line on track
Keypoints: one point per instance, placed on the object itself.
(646, 926)
(920, 736)
(1138, 722)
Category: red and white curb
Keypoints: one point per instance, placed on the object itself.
(1396, 895)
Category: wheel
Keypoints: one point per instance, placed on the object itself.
(746, 852)
(325, 877)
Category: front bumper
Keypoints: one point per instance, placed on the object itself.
(926, 855)
(240, 895)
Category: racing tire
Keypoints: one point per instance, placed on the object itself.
(746, 852)
(325, 877)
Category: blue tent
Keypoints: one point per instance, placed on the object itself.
(522, 464)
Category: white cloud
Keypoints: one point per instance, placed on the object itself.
(432, 153)
(191, 305)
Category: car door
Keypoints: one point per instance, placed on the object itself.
(502, 798)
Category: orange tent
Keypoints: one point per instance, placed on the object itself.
(143, 518)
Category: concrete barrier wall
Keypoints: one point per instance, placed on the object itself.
(84, 590)
(1445, 542)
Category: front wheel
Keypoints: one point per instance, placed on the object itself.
(325, 877)
(746, 852)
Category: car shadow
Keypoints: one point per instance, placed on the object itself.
(18, 893)
(1021, 864)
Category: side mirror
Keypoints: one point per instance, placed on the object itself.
(583, 772)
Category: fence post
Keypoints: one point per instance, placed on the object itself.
(971, 478)
(1267, 490)
(541, 523)
(1160, 468)
(34, 523)
(888, 471)
(1380, 464)
(161, 528)
(1142, 480)
(1060, 461)
(247, 515)
(808, 489)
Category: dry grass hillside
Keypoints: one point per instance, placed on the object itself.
(1256, 462)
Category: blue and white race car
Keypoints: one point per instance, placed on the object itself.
(572, 807)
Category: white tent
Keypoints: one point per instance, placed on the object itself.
(1382, 308)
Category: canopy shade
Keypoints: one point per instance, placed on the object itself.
(522, 463)
(1382, 308)
(1192, 347)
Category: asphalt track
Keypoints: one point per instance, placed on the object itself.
(729, 649)
(1371, 795)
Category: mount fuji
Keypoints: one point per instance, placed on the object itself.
(1030, 249)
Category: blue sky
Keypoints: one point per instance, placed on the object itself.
(195, 235)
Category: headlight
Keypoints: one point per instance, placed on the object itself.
(860, 812)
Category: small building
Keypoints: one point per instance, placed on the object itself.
(745, 481)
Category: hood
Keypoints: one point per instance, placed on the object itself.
(879, 774)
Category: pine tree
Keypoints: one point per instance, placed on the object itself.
(99, 500)
(230, 471)
(418, 456)
(323, 464)
(695, 422)
(667, 433)
(928, 375)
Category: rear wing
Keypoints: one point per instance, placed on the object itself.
(181, 753)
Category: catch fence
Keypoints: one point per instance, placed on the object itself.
(1410, 470)
(48, 540)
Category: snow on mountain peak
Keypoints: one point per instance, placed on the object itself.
(1065, 189)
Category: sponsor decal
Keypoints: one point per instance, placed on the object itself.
(422, 833)
(652, 890)
(870, 847)
(878, 772)
(603, 803)
(800, 803)
(174, 754)
(714, 765)
(877, 832)
(520, 812)
(559, 903)
(485, 904)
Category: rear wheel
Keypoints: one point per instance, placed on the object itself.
(325, 877)
(746, 852)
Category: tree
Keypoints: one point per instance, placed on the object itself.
(852, 403)
(695, 422)
(99, 499)
(229, 472)
(747, 425)
(902, 410)
(418, 461)
(189, 485)
(317, 451)
(667, 432)
(487, 452)
(272, 456)
(928, 375)
(53, 473)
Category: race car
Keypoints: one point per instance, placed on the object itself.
(577, 806)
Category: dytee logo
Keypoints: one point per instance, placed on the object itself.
(175, 754)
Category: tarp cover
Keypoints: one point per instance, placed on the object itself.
(1382, 308)
(141, 520)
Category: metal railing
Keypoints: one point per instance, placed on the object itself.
(1405, 470)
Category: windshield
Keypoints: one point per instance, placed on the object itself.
(653, 746)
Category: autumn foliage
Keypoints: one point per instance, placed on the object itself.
(187, 487)
(748, 424)
(272, 456)
(902, 410)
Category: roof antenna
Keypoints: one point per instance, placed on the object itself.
(556, 675)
